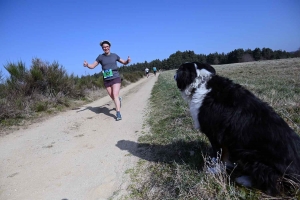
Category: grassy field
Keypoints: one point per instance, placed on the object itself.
(173, 154)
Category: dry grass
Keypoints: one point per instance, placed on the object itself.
(174, 162)
(276, 82)
(30, 95)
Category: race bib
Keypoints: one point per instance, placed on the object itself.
(107, 73)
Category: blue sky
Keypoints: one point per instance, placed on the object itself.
(69, 31)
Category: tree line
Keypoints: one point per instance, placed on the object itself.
(235, 56)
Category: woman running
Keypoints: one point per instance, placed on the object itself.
(111, 76)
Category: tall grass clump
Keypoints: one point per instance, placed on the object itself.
(27, 91)
(174, 160)
(45, 88)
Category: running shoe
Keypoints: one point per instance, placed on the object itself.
(120, 98)
(119, 117)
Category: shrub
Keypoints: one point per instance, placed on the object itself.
(132, 76)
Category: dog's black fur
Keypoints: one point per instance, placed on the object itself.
(245, 129)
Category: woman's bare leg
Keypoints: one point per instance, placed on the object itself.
(110, 92)
(115, 93)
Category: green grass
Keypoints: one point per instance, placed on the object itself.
(174, 154)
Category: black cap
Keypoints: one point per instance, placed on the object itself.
(104, 42)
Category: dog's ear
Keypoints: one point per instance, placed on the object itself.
(185, 75)
(182, 79)
(203, 68)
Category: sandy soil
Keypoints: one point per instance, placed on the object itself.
(74, 155)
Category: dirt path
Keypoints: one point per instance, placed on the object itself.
(74, 155)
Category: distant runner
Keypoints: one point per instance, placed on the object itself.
(147, 72)
(154, 70)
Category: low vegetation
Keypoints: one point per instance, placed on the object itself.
(174, 156)
(46, 88)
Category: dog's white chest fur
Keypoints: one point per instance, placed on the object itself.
(195, 93)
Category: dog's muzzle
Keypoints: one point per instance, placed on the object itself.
(175, 77)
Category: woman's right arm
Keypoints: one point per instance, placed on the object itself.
(90, 66)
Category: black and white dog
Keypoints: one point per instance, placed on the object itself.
(246, 130)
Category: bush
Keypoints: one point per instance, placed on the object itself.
(45, 85)
(132, 76)
(27, 91)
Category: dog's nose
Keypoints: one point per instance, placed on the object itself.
(175, 76)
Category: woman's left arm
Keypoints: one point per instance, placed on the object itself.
(125, 62)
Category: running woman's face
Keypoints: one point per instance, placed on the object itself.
(106, 48)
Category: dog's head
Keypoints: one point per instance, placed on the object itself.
(190, 75)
